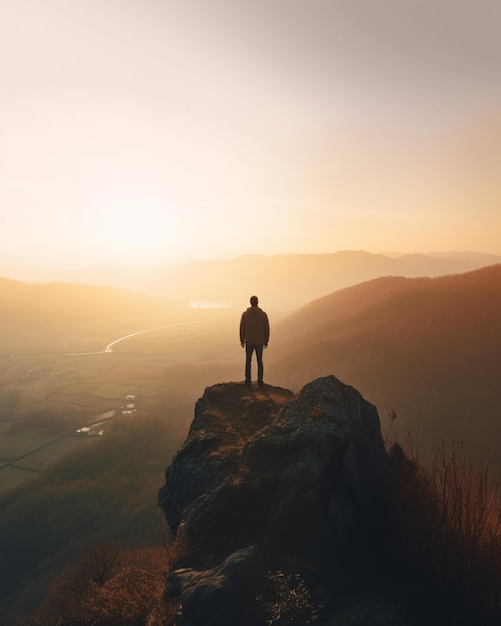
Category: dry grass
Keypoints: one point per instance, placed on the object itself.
(108, 586)
(447, 532)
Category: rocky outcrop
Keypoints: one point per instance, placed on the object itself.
(264, 477)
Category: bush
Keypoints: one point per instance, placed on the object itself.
(287, 600)
(446, 530)
(107, 587)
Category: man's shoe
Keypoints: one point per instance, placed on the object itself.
(260, 384)
(247, 383)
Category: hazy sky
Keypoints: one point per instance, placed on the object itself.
(157, 131)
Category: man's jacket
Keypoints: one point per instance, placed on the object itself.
(254, 327)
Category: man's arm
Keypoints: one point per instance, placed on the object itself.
(242, 331)
(266, 330)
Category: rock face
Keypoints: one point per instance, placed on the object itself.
(266, 475)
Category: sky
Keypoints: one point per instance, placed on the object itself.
(149, 132)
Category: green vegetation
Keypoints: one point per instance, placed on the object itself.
(106, 493)
(44, 400)
(62, 493)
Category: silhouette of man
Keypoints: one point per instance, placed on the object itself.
(254, 336)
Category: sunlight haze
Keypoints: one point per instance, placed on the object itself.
(160, 132)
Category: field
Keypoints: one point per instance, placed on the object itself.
(46, 399)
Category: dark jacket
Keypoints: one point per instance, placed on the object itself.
(254, 327)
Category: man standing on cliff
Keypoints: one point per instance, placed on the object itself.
(254, 336)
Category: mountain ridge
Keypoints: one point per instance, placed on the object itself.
(428, 348)
(42, 317)
(303, 277)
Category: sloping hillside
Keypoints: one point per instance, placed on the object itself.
(46, 317)
(430, 349)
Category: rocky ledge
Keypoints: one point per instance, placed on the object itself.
(274, 500)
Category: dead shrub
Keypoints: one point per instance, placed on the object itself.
(447, 524)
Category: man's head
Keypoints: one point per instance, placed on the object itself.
(253, 300)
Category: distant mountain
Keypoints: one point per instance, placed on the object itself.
(302, 277)
(281, 281)
(428, 348)
(57, 316)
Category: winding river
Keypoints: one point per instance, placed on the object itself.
(109, 347)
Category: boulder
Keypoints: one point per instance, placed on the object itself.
(266, 473)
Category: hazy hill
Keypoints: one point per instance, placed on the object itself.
(290, 280)
(430, 349)
(281, 281)
(54, 316)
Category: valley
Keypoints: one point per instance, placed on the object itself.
(54, 404)
(98, 388)
(426, 349)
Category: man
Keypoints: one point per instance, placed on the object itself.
(254, 335)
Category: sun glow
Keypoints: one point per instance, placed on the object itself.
(133, 225)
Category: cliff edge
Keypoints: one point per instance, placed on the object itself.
(275, 500)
